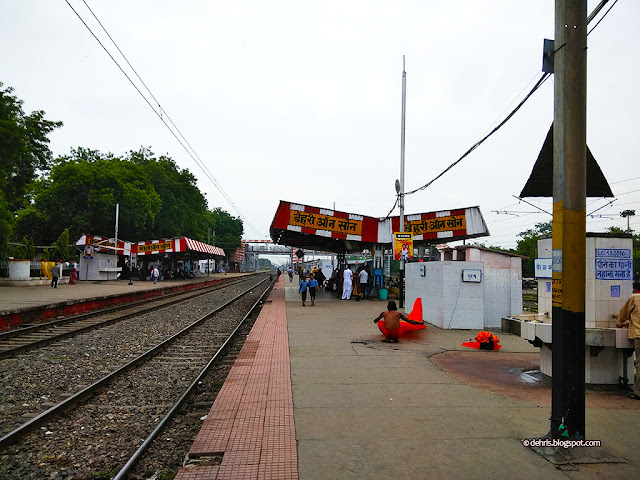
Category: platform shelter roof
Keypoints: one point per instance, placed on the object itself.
(182, 244)
(323, 229)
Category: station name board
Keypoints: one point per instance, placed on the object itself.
(325, 222)
(440, 224)
(152, 247)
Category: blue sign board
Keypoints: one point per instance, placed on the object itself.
(615, 291)
(543, 267)
(614, 264)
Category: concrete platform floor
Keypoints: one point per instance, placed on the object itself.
(13, 298)
(428, 407)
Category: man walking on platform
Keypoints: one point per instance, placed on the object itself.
(55, 272)
(630, 315)
(155, 274)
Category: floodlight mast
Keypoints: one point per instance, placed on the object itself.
(626, 214)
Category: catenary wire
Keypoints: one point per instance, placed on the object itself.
(542, 79)
(159, 115)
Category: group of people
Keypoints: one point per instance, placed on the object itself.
(359, 287)
(56, 272)
(310, 284)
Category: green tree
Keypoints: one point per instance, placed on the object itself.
(183, 206)
(62, 250)
(25, 250)
(528, 246)
(24, 150)
(6, 226)
(228, 230)
(81, 193)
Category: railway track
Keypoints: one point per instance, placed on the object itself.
(131, 399)
(20, 340)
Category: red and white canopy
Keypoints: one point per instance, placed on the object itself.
(182, 244)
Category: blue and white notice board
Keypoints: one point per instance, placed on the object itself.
(614, 264)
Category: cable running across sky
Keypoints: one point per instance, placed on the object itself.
(159, 113)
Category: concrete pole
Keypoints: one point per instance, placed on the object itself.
(569, 219)
(401, 193)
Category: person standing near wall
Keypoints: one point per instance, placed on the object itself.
(155, 274)
(630, 316)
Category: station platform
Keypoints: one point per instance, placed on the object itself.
(24, 304)
(316, 395)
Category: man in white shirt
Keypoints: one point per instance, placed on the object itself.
(347, 286)
(364, 279)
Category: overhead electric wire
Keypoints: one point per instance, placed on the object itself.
(544, 77)
(602, 18)
(198, 161)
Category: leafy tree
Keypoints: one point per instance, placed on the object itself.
(228, 230)
(157, 199)
(182, 204)
(81, 193)
(62, 250)
(24, 149)
(25, 250)
(6, 226)
(528, 246)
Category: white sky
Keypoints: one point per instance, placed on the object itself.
(301, 101)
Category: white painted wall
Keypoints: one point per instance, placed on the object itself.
(100, 267)
(600, 305)
(447, 301)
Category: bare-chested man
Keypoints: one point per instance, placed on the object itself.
(392, 319)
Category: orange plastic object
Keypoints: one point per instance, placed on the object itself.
(483, 337)
(416, 313)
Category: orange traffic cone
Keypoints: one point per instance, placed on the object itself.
(416, 313)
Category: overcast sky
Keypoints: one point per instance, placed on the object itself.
(301, 100)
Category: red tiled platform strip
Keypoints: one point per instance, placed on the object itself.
(251, 421)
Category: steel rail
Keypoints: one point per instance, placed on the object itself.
(89, 391)
(177, 406)
(153, 305)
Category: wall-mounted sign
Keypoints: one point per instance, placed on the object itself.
(543, 267)
(88, 252)
(319, 221)
(153, 247)
(473, 276)
(614, 264)
(402, 246)
(615, 291)
(440, 224)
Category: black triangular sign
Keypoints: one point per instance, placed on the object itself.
(540, 183)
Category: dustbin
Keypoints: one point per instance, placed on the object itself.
(383, 294)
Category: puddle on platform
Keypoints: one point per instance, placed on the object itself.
(532, 377)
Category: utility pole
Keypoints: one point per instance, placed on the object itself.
(569, 220)
(401, 192)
